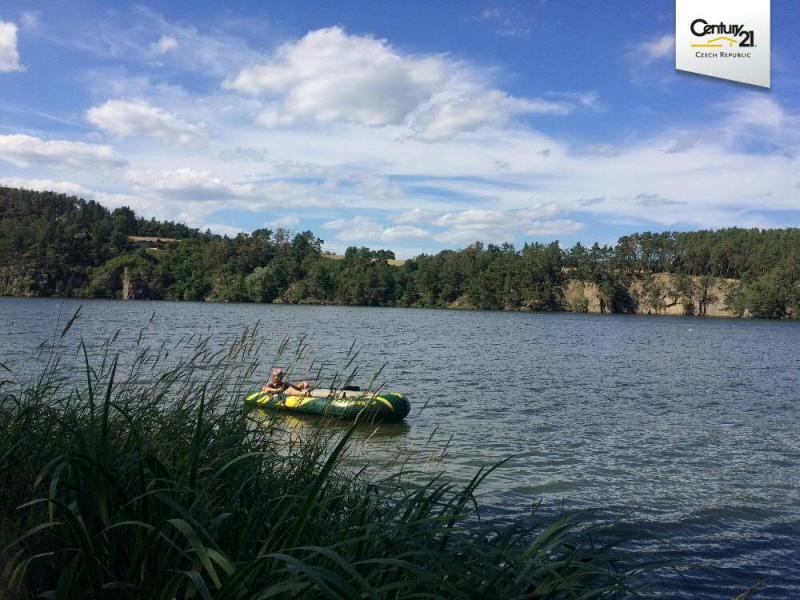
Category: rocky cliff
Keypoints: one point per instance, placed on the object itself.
(660, 294)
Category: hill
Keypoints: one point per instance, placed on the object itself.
(57, 245)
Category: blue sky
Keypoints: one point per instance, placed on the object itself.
(413, 126)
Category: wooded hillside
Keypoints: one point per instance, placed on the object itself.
(57, 245)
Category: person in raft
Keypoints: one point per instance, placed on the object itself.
(277, 384)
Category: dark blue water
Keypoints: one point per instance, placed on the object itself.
(687, 428)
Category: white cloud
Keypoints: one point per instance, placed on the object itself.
(553, 228)
(653, 50)
(329, 76)
(286, 222)
(463, 227)
(164, 44)
(487, 177)
(109, 200)
(590, 100)
(499, 218)
(47, 185)
(366, 229)
(757, 110)
(415, 215)
(404, 232)
(451, 193)
(188, 190)
(457, 110)
(132, 118)
(504, 225)
(188, 184)
(26, 151)
(9, 56)
(243, 154)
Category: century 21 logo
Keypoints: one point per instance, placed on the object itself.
(700, 27)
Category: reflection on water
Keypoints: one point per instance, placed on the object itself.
(689, 427)
(304, 425)
(368, 442)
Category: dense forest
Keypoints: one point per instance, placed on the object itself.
(57, 245)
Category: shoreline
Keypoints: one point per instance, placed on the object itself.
(458, 308)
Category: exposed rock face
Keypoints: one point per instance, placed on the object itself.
(661, 294)
(583, 296)
(132, 289)
(126, 293)
(120, 283)
(24, 282)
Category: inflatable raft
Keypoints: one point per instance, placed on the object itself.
(391, 407)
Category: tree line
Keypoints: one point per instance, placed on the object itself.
(57, 245)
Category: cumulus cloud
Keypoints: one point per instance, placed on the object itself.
(188, 184)
(504, 225)
(329, 76)
(653, 50)
(26, 150)
(9, 56)
(133, 118)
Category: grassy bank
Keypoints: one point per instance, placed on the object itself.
(149, 479)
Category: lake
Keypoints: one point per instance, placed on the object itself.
(686, 427)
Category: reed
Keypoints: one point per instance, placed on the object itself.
(150, 479)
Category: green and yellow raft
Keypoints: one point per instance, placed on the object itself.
(391, 407)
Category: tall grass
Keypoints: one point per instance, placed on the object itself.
(150, 479)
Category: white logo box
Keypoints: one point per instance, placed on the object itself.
(729, 39)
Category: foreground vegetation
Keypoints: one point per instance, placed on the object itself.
(148, 479)
(55, 245)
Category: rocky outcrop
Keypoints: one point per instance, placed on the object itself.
(660, 294)
(24, 282)
(132, 288)
(583, 297)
